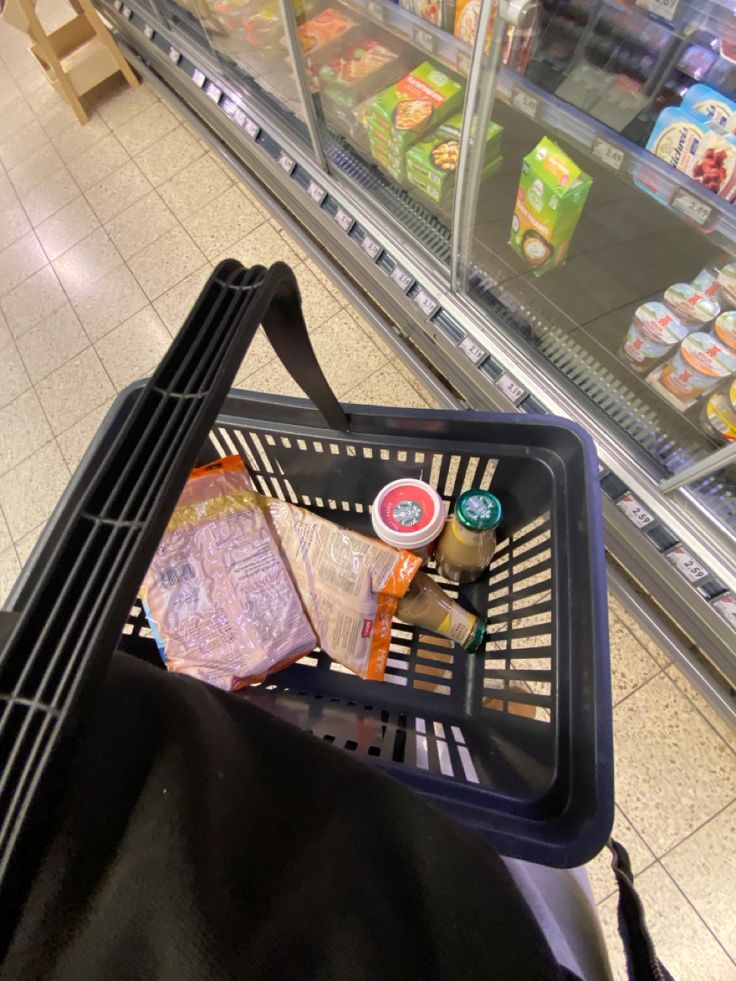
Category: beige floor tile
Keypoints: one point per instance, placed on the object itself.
(25, 499)
(602, 879)
(166, 262)
(414, 380)
(318, 304)
(631, 666)
(14, 378)
(16, 115)
(146, 127)
(40, 167)
(31, 82)
(325, 281)
(387, 386)
(722, 727)
(290, 240)
(71, 392)
(272, 378)
(13, 224)
(261, 247)
(109, 302)
(133, 349)
(347, 356)
(167, 156)
(76, 140)
(97, 163)
(22, 144)
(6, 539)
(86, 262)
(68, 226)
(7, 191)
(259, 354)
(222, 222)
(45, 199)
(174, 305)
(34, 300)
(684, 944)
(140, 225)
(673, 772)
(19, 261)
(642, 636)
(118, 191)
(23, 430)
(125, 103)
(74, 442)
(195, 186)
(24, 546)
(55, 117)
(704, 867)
(9, 569)
(52, 343)
(5, 335)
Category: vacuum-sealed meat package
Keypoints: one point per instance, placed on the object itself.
(218, 596)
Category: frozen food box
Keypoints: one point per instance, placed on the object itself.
(321, 30)
(363, 67)
(432, 162)
(421, 99)
(467, 15)
(552, 193)
(704, 101)
(692, 145)
(438, 12)
(440, 201)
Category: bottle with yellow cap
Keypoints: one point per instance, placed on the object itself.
(468, 540)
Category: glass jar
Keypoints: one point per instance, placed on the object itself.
(467, 544)
(409, 514)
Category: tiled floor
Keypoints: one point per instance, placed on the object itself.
(107, 233)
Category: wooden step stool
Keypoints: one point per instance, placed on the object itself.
(77, 56)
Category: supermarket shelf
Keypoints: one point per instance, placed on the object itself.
(715, 16)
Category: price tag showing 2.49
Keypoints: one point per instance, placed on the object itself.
(524, 101)
(608, 153)
(683, 561)
(692, 207)
(634, 511)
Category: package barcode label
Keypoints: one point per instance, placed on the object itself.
(173, 575)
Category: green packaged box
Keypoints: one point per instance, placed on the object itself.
(433, 160)
(421, 99)
(552, 193)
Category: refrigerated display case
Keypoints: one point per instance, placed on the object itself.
(539, 194)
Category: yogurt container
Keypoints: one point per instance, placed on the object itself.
(727, 282)
(653, 333)
(706, 282)
(719, 415)
(690, 305)
(700, 364)
(724, 329)
(409, 514)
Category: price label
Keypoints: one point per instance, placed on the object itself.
(511, 388)
(475, 352)
(174, 55)
(634, 511)
(426, 303)
(316, 193)
(524, 101)
(608, 153)
(198, 77)
(463, 62)
(126, 12)
(286, 163)
(237, 115)
(726, 606)
(213, 91)
(117, 4)
(692, 207)
(683, 561)
(371, 248)
(376, 11)
(425, 39)
(344, 220)
(662, 8)
(251, 127)
(148, 31)
(402, 278)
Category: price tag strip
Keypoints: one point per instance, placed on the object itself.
(344, 220)
(634, 511)
(402, 278)
(371, 248)
(316, 193)
(608, 153)
(524, 101)
(691, 207)
(683, 561)
(426, 303)
(286, 163)
(473, 351)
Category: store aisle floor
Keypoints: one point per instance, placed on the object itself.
(107, 233)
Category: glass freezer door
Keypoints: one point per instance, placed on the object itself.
(605, 240)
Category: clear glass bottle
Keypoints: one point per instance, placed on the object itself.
(468, 541)
(426, 604)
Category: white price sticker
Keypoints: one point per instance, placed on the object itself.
(683, 561)
(402, 278)
(463, 62)
(174, 55)
(344, 220)
(692, 207)
(371, 248)
(126, 12)
(251, 128)
(316, 193)
(634, 511)
(608, 153)
(376, 11)
(286, 163)
(662, 8)
(238, 116)
(148, 31)
(511, 388)
(425, 39)
(726, 606)
(426, 303)
(474, 351)
(117, 4)
(198, 77)
(524, 101)
(213, 91)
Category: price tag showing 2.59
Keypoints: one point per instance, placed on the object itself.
(473, 351)
(726, 606)
(286, 163)
(692, 207)
(634, 511)
(608, 153)
(425, 39)
(524, 101)
(683, 561)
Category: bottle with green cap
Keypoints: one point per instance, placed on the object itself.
(468, 540)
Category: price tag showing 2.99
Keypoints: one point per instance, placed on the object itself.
(634, 511)
(692, 207)
(524, 101)
(608, 153)
(683, 561)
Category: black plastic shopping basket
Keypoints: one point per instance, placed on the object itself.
(443, 721)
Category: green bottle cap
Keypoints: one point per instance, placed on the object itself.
(478, 636)
(478, 510)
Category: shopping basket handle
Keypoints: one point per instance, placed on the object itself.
(287, 331)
